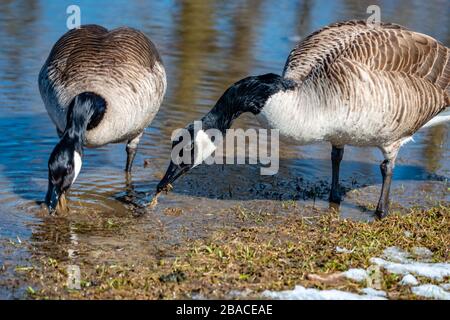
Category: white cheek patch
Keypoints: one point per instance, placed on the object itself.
(203, 147)
(77, 163)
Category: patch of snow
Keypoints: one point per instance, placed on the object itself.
(343, 250)
(302, 293)
(435, 271)
(431, 291)
(395, 254)
(356, 274)
(409, 280)
(394, 261)
(422, 252)
(374, 292)
(445, 286)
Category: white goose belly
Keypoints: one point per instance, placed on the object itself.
(309, 122)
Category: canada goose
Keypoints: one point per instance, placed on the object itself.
(349, 84)
(98, 87)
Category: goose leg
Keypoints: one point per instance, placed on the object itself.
(336, 157)
(131, 151)
(387, 169)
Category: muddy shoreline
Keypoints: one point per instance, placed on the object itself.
(244, 254)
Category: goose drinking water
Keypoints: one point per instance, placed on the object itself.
(350, 83)
(98, 87)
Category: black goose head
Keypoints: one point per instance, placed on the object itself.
(84, 112)
(64, 165)
(247, 95)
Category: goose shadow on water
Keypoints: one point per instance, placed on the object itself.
(135, 200)
(297, 179)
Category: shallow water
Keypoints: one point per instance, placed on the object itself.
(205, 46)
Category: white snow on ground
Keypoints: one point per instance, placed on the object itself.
(400, 262)
(343, 250)
(358, 275)
(394, 261)
(409, 280)
(422, 252)
(445, 286)
(431, 291)
(302, 293)
(435, 271)
(396, 255)
(374, 292)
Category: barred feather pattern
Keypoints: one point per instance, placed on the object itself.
(122, 65)
(361, 84)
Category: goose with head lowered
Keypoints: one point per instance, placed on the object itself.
(350, 83)
(98, 87)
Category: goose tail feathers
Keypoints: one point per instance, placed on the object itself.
(442, 117)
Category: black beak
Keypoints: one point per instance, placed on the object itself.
(173, 173)
(52, 198)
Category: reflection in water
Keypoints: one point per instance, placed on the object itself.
(195, 39)
(304, 20)
(206, 46)
(434, 150)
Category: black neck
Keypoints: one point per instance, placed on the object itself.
(84, 113)
(247, 95)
